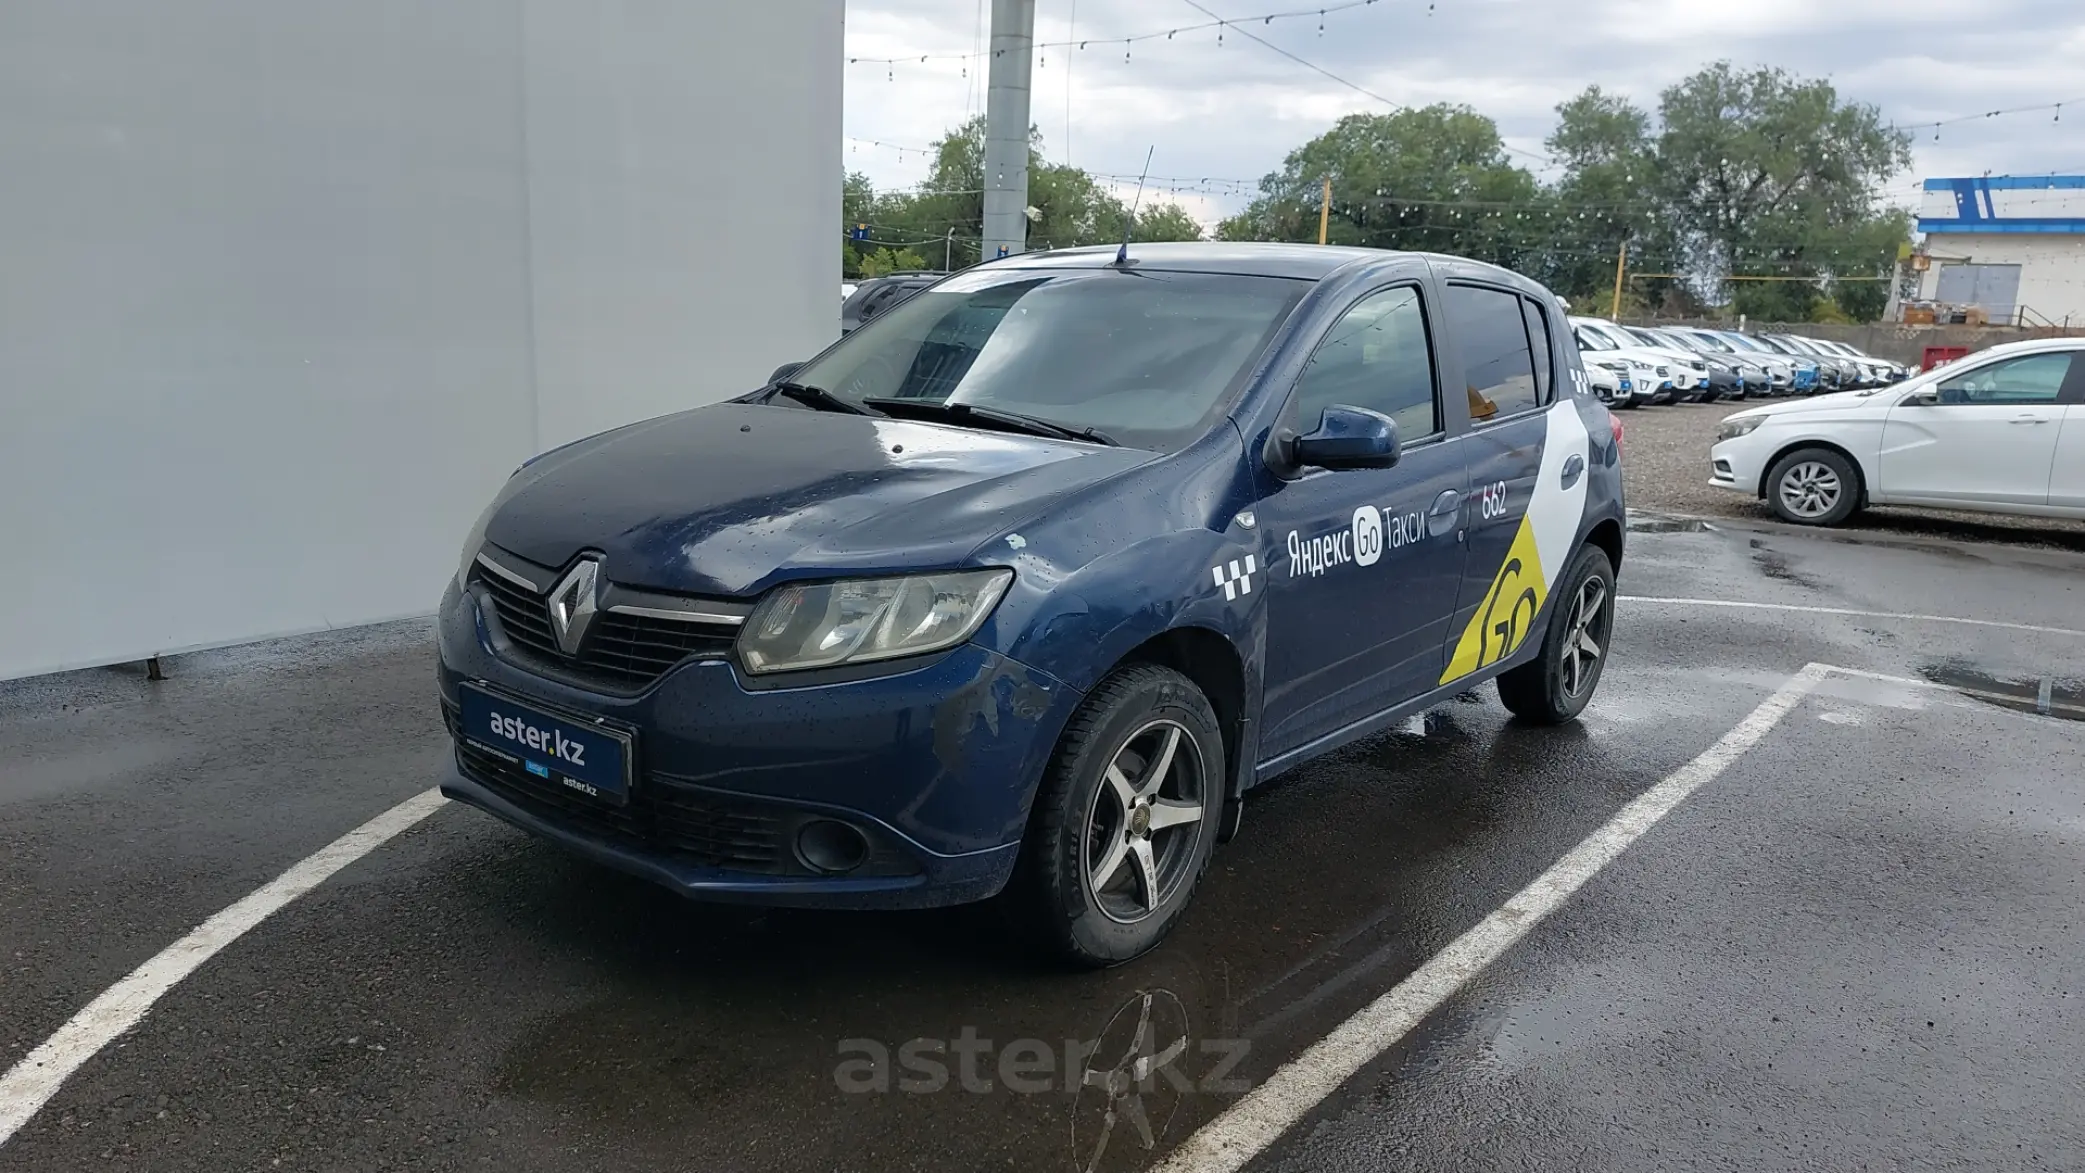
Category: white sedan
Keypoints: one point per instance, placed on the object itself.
(2002, 431)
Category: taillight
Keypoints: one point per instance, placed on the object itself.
(1615, 422)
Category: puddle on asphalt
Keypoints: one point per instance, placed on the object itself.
(1644, 523)
(1775, 565)
(2047, 696)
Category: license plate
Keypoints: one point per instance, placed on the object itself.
(587, 759)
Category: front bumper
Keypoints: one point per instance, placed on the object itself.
(1735, 465)
(935, 767)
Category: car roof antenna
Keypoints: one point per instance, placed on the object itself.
(1129, 222)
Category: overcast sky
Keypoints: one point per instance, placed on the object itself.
(1233, 110)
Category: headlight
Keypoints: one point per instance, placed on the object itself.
(475, 542)
(820, 625)
(1732, 429)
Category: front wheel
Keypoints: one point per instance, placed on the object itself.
(1125, 820)
(1558, 683)
(1814, 486)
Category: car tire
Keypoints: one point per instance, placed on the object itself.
(1814, 486)
(1557, 684)
(1625, 402)
(1067, 896)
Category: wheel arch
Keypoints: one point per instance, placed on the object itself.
(1860, 469)
(1209, 659)
(1607, 534)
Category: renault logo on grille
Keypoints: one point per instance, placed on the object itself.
(572, 605)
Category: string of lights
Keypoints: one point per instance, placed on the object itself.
(1920, 127)
(1221, 25)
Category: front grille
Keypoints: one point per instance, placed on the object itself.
(622, 652)
(661, 816)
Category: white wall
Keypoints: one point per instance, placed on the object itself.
(287, 289)
(2052, 267)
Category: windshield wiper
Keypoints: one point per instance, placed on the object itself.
(818, 397)
(965, 413)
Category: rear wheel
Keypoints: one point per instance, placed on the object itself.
(1557, 684)
(1125, 821)
(1814, 486)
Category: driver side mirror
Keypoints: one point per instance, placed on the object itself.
(1927, 398)
(1346, 437)
(783, 372)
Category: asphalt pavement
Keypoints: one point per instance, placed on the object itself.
(1858, 946)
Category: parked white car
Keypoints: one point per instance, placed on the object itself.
(2001, 431)
(1689, 374)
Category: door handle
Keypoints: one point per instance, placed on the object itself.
(1446, 511)
(2028, 419)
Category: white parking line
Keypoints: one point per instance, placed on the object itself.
(1659, 600)
(1247, 1127)
(32, 1082)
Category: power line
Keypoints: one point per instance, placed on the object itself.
(1265, 18)
(1315, 67)
(1935, 126)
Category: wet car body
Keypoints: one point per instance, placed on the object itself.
(1199, 558)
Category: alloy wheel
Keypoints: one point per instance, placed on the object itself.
(1584, 636)
(1144, 821)
(1810, 489)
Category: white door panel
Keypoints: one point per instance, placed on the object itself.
(1990, 438)
(1970, 452)
(2067, 478)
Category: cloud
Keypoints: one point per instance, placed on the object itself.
(1232, 111)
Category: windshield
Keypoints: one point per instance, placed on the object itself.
(1146, 358)
(1600, 336)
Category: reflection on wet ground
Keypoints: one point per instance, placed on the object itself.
(1652, 523)
(2047, 696)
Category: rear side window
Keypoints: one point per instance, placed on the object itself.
(1491, 334)
(1538, 340)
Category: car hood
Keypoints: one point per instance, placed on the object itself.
(1635, 356)
(725, 500)
(1836, 401)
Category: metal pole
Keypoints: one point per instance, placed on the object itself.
(1006, 128)
(1621, 262)
(948, 251)
(1325, 210)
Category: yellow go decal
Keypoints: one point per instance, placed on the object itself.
(1502, 623)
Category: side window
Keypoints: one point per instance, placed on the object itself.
(1377, 357)
(2034, 378)
(1545, 355)
(1492, 337)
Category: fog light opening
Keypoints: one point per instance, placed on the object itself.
(824, 845)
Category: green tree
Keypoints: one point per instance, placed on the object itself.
(887, 260)
(1166, 221)
(1606, 198)
(1074, 208)
(1770, 174)
(1435, 178)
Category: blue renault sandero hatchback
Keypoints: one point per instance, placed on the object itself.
(1020, 589)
